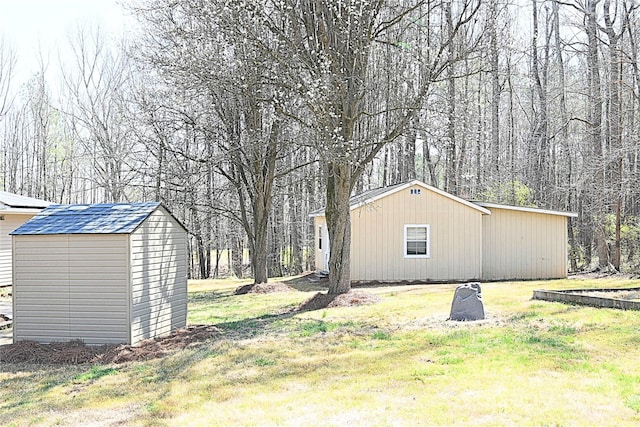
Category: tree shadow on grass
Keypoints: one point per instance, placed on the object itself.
(308, 283)
(193, 335)
(271, 323)
(208, 296)
(254, 326)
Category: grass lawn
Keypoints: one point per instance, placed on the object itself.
(398, 362)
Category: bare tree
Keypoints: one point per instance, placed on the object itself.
(539, 137)
(332, 53)
(7, 67)
(96, 82)
(233, 105)
(614, 133)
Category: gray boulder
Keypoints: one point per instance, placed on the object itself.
(467, 303)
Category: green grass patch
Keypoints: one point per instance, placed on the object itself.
(528, 363)
(94, 373)
(313, 327)
(381, 335)
(262, 361)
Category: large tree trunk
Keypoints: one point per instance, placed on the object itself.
(258, 186)
(264, 172)
(338, 214)
(237, 250)
(260, 247)
(295, 260)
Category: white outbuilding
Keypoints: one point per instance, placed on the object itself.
(416, 232)
(15, 210)
(100, 273)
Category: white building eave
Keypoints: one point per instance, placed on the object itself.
(524, 209)
(9, 210)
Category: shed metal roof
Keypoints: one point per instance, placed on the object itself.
(103, 218)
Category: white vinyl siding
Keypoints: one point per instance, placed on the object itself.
(71, 287)
(464, 241)
(378, 245)
(416, 241)
(7, 225)
(158, 277)
(524, 245)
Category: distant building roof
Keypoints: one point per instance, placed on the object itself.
(105, 218)
(15, 202)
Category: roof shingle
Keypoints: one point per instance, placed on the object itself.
(103, 218)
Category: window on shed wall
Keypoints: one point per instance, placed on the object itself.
(319, 237)
(416, 241)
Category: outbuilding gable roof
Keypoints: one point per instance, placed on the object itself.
(378, 193)
(484, 207)
(103, 218)
(14, 202)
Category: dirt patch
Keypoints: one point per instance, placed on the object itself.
(263, 288)
(349, 299)
(76, 352)
(442, 322)
(309, 282)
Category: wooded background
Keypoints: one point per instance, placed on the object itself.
(238, 114)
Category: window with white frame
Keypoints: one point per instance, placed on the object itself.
(416, 241)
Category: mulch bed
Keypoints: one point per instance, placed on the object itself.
(263, 288)
(76, 352)
(350, 299)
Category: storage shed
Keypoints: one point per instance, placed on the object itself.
(524, 243)
(100, 273)
(15, 210)
(416, 232)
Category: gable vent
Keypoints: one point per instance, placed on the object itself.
(415, 191)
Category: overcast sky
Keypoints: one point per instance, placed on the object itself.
(28, 24)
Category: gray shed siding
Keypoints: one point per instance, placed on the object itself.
(103, 273)
(158, 277)
(71, 287)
